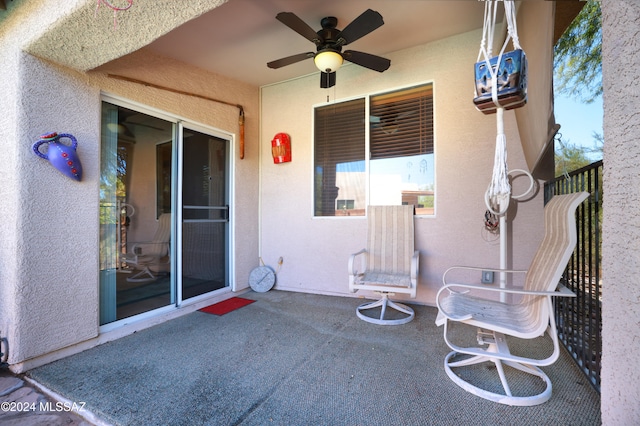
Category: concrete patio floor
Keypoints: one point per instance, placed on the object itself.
(299, 359)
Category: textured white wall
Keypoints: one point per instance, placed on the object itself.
(54, 217)
(315, 250)
(621, 224)
(46, 264)
(84, 38)
(49, 244)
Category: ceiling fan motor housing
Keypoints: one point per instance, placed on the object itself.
(329, 35)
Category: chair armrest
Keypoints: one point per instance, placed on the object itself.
(443, 315)
(352, 261)
(561, 292)
(475, 268)
(157, 248)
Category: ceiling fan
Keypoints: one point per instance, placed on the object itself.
(329, 41)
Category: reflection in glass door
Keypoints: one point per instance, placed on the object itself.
(205, 214)
(135, 235)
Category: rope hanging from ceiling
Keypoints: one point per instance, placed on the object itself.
(115, 8)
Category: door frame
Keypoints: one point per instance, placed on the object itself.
(176, 230)
(176, 185)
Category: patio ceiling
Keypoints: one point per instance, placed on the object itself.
(238, 38)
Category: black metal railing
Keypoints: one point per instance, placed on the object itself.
(579, 319)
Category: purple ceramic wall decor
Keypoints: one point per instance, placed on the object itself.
(61, 156)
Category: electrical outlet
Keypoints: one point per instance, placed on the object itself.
(487, 277)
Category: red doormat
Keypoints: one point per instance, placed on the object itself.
(227, 306)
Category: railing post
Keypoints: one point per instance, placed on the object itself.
(579, 319)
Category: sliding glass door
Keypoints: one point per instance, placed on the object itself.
(164, 212)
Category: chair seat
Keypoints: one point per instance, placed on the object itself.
(140, 259)
(512, 319)
(385, 279)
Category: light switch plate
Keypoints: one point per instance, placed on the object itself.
(487, 277)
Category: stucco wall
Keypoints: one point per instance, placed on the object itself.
(83, 36)
(536, 119)
(316, 250)
(49, 245)
(52, 272)
(621, 224)
(45, 262)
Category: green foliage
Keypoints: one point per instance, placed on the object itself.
(570, 157)
(578, 56)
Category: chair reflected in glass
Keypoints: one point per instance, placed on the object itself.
(150, 259)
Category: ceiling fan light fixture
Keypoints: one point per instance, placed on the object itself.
(328, 61)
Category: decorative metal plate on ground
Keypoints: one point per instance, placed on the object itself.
(262, 279)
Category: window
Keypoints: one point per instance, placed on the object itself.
(345, 204)
(400, 166)
(339, 157)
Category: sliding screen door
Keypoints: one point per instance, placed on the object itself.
(205, 213)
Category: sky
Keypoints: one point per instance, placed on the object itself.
(578, 121)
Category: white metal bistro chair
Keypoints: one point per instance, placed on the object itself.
(150, 257)
(527, 318)
(389, 264)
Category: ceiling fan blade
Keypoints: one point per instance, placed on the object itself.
(361, 26)
(292, 21)
(327, 80)
(279, 63)
(367, 60)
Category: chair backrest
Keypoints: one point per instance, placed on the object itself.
(560, 237)
(163, 232)
(390, 238)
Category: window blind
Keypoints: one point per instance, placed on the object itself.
(402, 123)
(339, 138)
(340, 133)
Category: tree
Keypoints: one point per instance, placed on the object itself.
(578, 55)
(569, 157)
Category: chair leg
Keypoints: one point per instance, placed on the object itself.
(385, 303)
(503, 378)
(143, 276)
(501, 349)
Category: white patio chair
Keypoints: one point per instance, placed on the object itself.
(528, 318)
(389, 264)
(150, 258)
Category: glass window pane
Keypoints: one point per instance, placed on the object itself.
(403, 180)
(135, 227)
(401, 169)
(339, 157)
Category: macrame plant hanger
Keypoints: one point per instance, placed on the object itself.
(498, 194)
